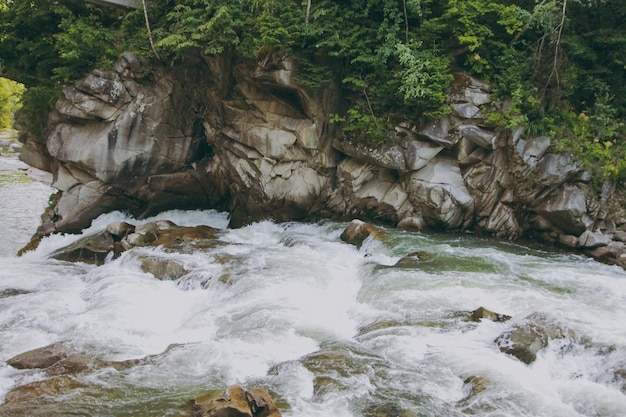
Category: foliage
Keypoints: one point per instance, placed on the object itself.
(549, 60)
(10, 101)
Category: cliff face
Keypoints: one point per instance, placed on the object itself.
(216, 133)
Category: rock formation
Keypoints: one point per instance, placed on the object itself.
(212, 132)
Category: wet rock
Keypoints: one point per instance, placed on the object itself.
(387, 410)
(527, 338)
(12, 292)
(92, 249)
(482, 313)
(43, 357)
(335, 365)
(357, 231)
(74, 364)
(48, 387)
(235, 402)
(473, 386)
(413, 260)
(120, 229)
(162, 268)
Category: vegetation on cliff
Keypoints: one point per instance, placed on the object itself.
(558, 65)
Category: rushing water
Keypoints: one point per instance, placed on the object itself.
(328, 329)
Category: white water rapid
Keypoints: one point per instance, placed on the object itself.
(326, 328)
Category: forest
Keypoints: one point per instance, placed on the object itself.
(558, 65)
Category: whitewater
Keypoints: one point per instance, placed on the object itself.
(326, 327)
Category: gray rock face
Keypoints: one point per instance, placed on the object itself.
(255, 143)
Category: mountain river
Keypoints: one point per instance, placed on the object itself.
(327, 328)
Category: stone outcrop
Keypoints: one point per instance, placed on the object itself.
(213, 132)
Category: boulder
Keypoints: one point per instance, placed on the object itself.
(357, 231)
(162, 268)
(235, 401)
(590, 240)
(526, 338)
(42, 357)
(482, 313)
(92, 249)
(566, 208)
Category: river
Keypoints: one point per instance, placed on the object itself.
(328, 329)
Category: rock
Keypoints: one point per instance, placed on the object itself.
(54, 387)
(409, 155)
(482, 313)
(566, 208)
(357, 231)
(556, 169)
(568, 240)
(589, 239)
(162, 268)
(413, 223)
(12, 292)
(43, 357)
(528, 337)
(92, 249)
(620, 235)
(236, 402)
(439, 193)
(413, 260)
(335, 366)
(479, 136)
(387, 410)
(534, 149)
(260, 146)
(120, 229)
(467, 111)
(438, 131)
(74, 363)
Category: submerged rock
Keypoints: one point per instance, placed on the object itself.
(54, 387)
(161, 268)
(413, 260)
(387, 410)
(527, 338)
(12, 292)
